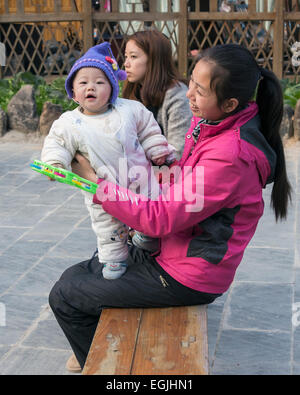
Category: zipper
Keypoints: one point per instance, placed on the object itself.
(163, 281)
(202, 125)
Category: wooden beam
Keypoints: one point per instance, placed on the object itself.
(292, 16)
(51, 17)
(232, 16)
(140, 16)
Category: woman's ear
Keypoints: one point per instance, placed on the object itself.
(230, 105)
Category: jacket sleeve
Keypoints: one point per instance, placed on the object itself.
(176, 117)
(195, 195)
(149, 133)
(59, 145)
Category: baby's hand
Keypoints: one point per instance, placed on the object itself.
(160, 161)
(163, 155)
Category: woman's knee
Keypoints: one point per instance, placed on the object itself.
(61, 289)
(55, 296)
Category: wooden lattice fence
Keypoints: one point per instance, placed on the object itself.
(46, 36)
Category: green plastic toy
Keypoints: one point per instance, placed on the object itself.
(64, 176)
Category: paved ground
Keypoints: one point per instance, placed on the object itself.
(44, 228)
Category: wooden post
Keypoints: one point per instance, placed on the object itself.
(88, 26)
(114, 5)
(20, 7)
(57, 7)
(153, 6)
(213, 6)
(6, 8)
(278, 39)
(251, 6)
(183, 40)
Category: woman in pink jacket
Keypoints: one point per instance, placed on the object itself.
(205, 217)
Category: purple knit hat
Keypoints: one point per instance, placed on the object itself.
(101, 57)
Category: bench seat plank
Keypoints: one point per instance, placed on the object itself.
(153, 341)
(172, 341)
(113, 345)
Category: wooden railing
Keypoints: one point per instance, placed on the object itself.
(46, 36)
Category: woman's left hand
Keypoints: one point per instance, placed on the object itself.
(81, 166)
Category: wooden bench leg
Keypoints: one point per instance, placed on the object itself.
(154, 341)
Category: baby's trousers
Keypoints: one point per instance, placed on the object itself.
(81, 293)
(110, 232)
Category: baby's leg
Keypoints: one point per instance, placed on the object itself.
(144, 242)
(111, 241)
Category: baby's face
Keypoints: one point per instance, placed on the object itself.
(92, 90)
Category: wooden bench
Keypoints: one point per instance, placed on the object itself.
(153, 341)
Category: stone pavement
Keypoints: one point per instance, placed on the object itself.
(44, 228)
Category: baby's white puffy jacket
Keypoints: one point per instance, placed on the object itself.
(126, 134)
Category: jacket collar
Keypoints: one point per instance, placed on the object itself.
(232, 122)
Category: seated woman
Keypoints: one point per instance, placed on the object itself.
(152, 78)
(232, 150)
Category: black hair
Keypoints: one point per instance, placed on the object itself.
(236, 74)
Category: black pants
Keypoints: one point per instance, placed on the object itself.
(80, 294)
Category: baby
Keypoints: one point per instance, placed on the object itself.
(112, 133)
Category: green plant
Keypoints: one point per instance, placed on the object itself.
(291, 92)
(10, 86)
(6, 93)
(54, 92)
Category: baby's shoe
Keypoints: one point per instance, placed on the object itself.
(113, 270)
(145, 242)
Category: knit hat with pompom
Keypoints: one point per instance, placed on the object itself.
(101, 57)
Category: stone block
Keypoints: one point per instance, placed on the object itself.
(266, 264)
(50, 113)
(21, 110)
(81, 243)
(254, 306)
(31, 361)
(252, 353)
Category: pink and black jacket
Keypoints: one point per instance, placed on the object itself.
(202, 244)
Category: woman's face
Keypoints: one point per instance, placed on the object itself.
(203, 101)
(135, 62)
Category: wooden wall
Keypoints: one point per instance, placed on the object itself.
(267, 28)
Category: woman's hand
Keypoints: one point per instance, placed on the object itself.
(81, 166)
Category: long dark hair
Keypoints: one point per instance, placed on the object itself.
(161, 71)
(236, 74)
